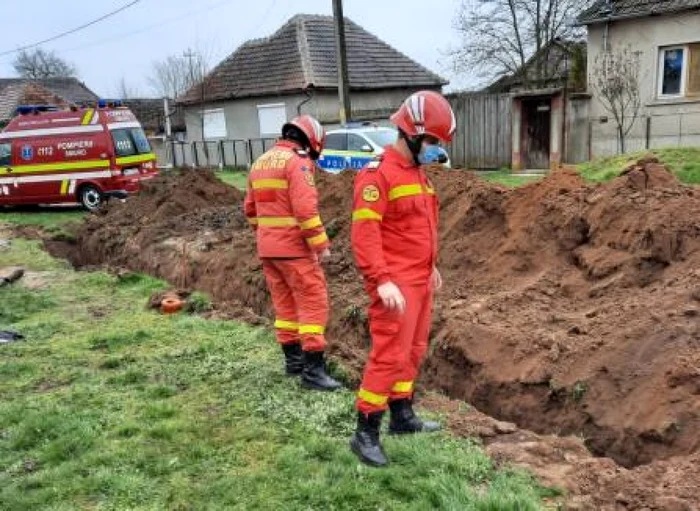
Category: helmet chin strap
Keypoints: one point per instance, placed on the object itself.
(296, 135)
(414, 145)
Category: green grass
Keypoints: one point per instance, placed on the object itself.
(41, 216)
(106, 405)
(236, 178)
(507, 178)
(684, 162)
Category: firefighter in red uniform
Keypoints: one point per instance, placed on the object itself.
(282, 205)
(394, 241)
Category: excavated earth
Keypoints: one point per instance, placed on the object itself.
(569, 320)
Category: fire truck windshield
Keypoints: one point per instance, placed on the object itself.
(130, 141)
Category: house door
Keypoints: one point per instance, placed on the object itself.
(538, 117)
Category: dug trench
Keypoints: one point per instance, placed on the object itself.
(568, 308)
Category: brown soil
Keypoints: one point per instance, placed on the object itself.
(568, 308)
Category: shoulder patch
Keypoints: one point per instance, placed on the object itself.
(370, 193)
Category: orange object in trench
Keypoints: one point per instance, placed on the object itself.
(171, 305)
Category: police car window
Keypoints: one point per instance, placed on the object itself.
(382, 137)
(355, 142)
(337, 142)
(5, 153)
(123, 144)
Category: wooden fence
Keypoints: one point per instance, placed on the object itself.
(483, 138)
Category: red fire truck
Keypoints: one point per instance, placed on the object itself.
(87, 155)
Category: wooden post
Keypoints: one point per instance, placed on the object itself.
(342, 59)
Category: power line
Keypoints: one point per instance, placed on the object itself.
(188, 14)
(71, 31)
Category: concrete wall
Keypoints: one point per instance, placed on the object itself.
(242, 114)
(661, 122)
(577, 143)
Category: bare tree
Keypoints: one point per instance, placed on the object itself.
(125, 90)
(184, 74)
(500, 36)
(615, 80)
(39, 63)
(172, 76)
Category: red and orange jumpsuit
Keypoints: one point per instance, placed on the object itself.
(395, 238)
(281, 203)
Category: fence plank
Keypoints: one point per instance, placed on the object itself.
(483, 136)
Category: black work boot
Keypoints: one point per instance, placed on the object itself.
(365, 442)
(404, 420)
(314, 375)
(293, 359)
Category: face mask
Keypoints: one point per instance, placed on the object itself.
(432, 153)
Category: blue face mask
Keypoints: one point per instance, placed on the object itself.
(432, 153)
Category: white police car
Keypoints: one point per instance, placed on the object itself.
(355, 145)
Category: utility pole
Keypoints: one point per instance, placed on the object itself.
(189, 55)
(342, 59)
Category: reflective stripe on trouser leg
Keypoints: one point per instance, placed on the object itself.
(308, 284)
(286, 324)
(422, 296)
(390, 355)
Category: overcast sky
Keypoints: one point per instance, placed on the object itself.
(127, 44)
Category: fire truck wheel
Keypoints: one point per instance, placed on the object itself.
(90, 197)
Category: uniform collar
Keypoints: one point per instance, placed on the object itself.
(394, 156)
(281, 142)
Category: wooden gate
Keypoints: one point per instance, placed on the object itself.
(483, 139)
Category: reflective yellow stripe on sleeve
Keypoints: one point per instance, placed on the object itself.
(282, 324)
(311, 223)
(402, 386)
(253, 221)
(279, 184)
(409, 190)
(405, 191)
(317, 240)
(312, 329)
(365, 214)
(372, 398)
(277, 221)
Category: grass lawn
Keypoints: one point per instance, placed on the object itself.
(507, 178)
(48, 217)
(236, 178)
(106, 405)
(684, 162)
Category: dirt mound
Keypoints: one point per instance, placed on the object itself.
(568, 307)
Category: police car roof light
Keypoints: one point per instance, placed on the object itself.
(360, 124)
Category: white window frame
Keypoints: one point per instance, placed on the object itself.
(684, 72)
(221, 133)
(276, 130)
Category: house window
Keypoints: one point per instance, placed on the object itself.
(214, 123)
(679, 71)
(271, 118)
